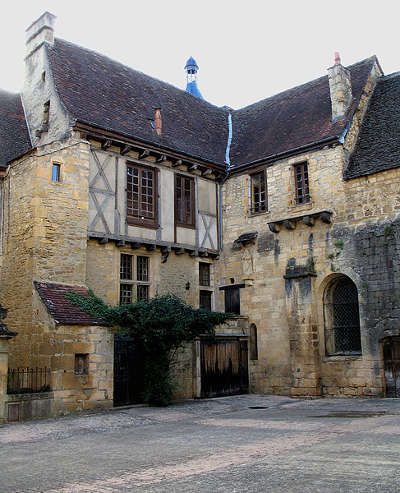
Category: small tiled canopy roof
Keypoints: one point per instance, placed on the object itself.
(60, 308)
(378, 146)
(106, 94)
(14, 137)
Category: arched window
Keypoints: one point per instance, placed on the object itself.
(342, 318)
(253, 342)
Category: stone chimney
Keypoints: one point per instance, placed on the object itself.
(39, 31)
(340, 89)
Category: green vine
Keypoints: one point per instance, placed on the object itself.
(159, 327)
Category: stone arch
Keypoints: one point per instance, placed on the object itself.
(341, 316)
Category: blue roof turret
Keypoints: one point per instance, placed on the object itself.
(191, 68)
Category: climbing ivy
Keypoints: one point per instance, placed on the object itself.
(159, 327)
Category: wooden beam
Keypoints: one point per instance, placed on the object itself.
(105, 145)
(161, 158)
(143, 153)
(177, 163)
(126, 149)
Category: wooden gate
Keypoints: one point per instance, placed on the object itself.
(224, 366)
(128, 373)
(391, 355)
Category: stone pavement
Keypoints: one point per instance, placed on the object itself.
(249, 443)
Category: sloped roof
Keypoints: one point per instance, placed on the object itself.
(101, 92)
(378, 146)
(14, 136)
(291, 119)
(59, 306)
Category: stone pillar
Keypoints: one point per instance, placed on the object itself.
(5, 335)
(303, 331)
(340, 89)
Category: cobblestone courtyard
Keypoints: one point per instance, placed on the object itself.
(235, 444)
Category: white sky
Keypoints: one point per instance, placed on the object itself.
(247, 50)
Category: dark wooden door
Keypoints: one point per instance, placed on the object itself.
(391, 355)
(232, 300)
(128, 372)
(224, 367)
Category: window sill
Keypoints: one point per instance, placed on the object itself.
(302, 207)
(136, 222)
(187, 226)
(343, 357)
(255, 214)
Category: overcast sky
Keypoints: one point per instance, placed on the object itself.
(247, 50)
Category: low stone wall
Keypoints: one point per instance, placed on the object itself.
(22, 407)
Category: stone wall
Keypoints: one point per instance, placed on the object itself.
(286, 273)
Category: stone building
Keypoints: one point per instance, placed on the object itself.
(284, 212)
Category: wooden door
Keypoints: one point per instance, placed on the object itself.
(232, 300)
(224, 367)
(128, 372)
(391, 355)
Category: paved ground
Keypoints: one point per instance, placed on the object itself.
(219, 445)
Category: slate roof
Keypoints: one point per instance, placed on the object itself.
(101, 92)
(14, 136)
(59, 306)
(291, 119)
(378, 146)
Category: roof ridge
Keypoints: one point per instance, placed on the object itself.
(304, 85)
(183, 91)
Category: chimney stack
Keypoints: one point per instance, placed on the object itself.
(340, 89)
(40, 31)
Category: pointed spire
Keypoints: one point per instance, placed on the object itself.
(191, 68)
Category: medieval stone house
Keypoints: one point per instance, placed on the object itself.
(283, 212)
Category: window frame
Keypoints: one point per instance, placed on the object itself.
(209, 295)
(204, 280)
(334, 333)
(183, 224)
(134, 282)
(304, 184)
(139, 219)
(56, 167)
(252, 176)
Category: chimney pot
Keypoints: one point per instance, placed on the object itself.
(337, 58)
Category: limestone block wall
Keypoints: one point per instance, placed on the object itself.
(44, 237)
(288, 312)
(74, 391)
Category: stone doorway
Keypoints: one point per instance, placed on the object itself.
(391, 356)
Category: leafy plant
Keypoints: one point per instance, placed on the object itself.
(159, 327)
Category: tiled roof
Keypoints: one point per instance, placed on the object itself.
(14, 137)
(291, 119)
(60, 307)
(378, 146)
(104, 93)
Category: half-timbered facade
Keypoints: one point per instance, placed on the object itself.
(283, 213)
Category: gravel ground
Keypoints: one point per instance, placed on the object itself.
(249, 443)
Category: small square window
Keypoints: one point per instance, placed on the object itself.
(56, 172)
(81, 364)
